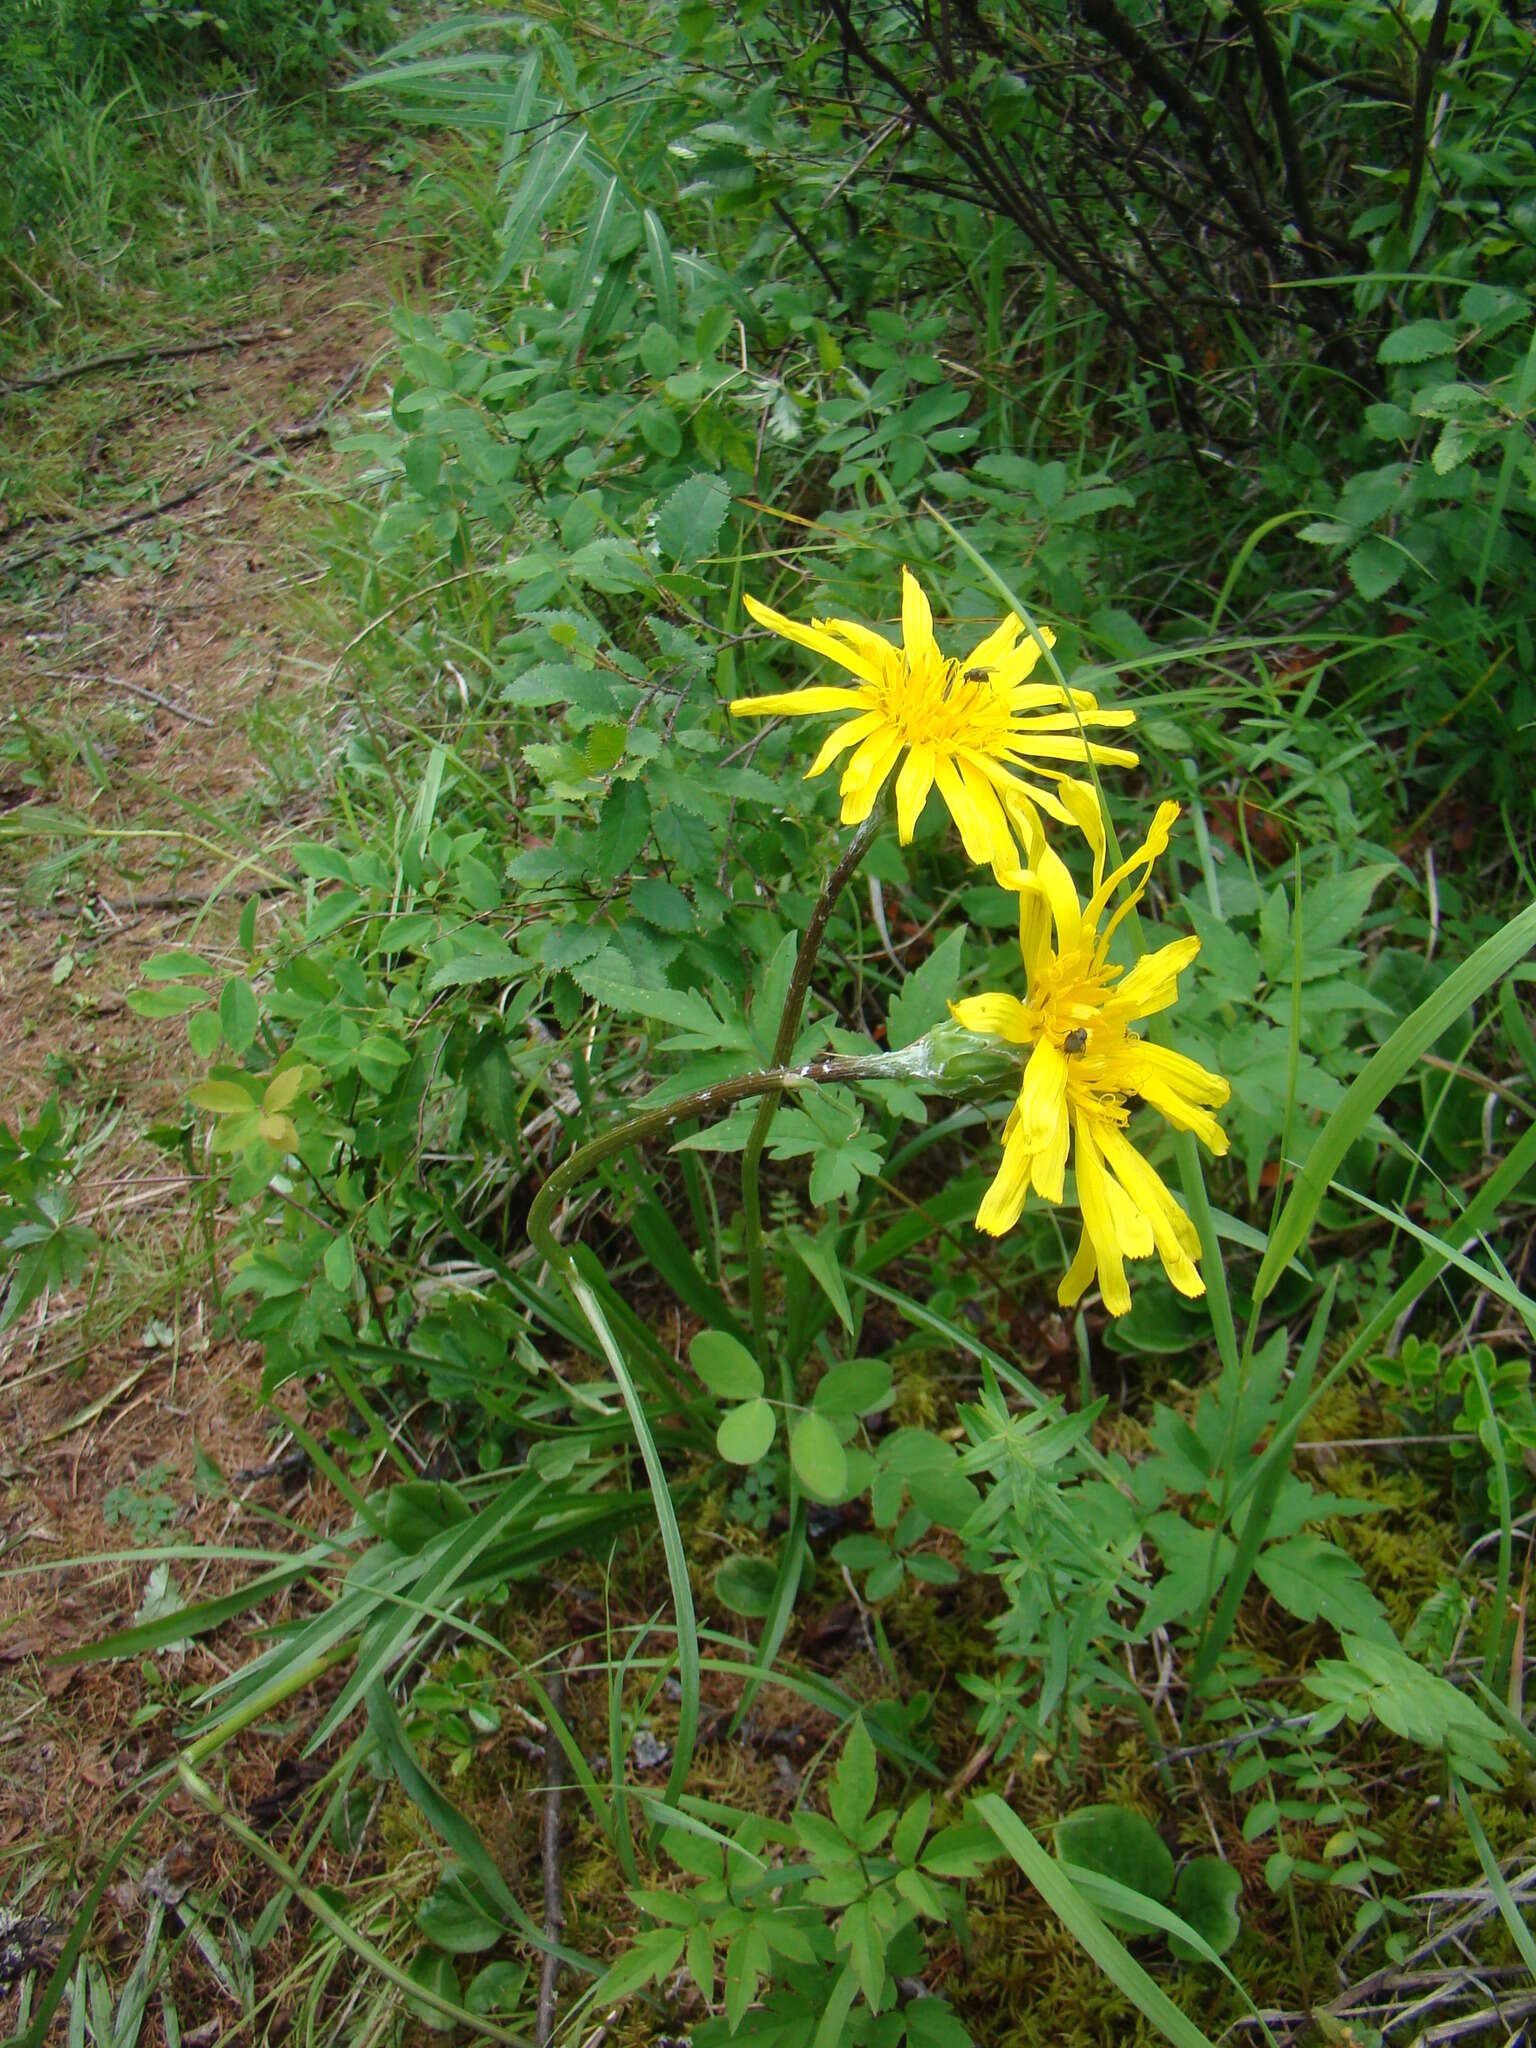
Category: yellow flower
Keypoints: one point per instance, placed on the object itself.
(966, 724)
(1087, 1066)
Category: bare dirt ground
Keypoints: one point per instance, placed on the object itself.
(138, 811)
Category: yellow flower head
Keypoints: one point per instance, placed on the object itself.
(1086, 1066)
(966, 724)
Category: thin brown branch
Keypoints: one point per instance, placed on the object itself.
(150, 352)
(134, 690)
(1429, 64)
(270, 444)
(1277, 93)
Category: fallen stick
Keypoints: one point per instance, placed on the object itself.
(73, 906)
(134, 690)
(153, 351)
(279, 438)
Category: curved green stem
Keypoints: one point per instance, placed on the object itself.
(783, 1047)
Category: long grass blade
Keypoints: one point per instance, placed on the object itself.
(1053, 1884)
(1375, 1081)
(319, 1904)
(671, 1536)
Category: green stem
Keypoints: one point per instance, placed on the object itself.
(783, 1047)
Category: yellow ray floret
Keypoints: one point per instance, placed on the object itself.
(1086, 1066)
(968, 725)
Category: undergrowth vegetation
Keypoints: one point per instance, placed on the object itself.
(1107, 1623)
(120, 119)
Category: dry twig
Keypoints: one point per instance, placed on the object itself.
(150, 352)
(133, 689)
(272, 443)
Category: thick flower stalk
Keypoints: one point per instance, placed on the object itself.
(969, 724)
(1087, 1067)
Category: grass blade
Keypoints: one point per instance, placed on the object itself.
(1262, 1495)
(1053, 1884)
(671, 1534)
(1509, 1912)
(318, 1904)
(1381, 1073)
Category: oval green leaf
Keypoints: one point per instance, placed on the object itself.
(725, 1366)
(746, 1433)
(820, 1462)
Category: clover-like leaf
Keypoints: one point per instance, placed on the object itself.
(746, 1433)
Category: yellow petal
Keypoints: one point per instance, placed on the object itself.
(916, 624)
(1043, 1096)
(1002, 854)
(1153, 982)
(815, 697)
(864, 777)
(1034, 927)
(1183, 1091)
(1132, 1228)
(827, 637)
(1062, 896)
(1099, 1218)
(972, 826)
(912, 787)
(872, 760)
(1081, 802)
(1003, 1203)
(1155, 843)
(999, 644)
(1079, 1275)
(1020, 661)
(993, 1016)
(1048, 1170)
(1030, 742)
(1172, 1231)
(847, 735)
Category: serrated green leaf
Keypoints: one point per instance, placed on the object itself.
(1376, 566)
(484, 960)
(321, 863)
(610, 980)
(925, 994)
(1418, 342)
(851, 1794)
(819, 1259)
(689, 519)
(340, 1265)
(659, 351)
(1311, 1577)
